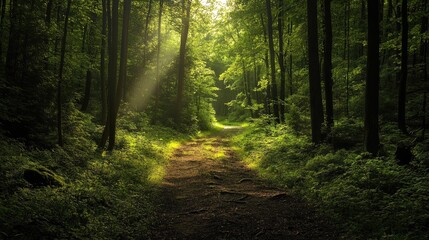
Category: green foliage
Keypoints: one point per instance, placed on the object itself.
(105, 196)
(371, 198)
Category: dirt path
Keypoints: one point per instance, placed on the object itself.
(209, 194)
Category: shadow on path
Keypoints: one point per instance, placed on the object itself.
(209, 194)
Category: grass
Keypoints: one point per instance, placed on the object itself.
(105, 195)
(371, 198)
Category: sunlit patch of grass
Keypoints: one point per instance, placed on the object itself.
(156, 174)
(208, 147)
(220, 155)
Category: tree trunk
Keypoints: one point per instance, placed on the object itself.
(402, 97)
(110, 128)
(14, 38)
(316, 105)
(347, 50)
(146, 33)
(246, 88)
(327, 64)
(87, 95)
(60, 75)
(122, 72)
(186, 11)
(3, 13)
(48, 15)
(281, 62)
(424, 50)
(274, 96)
(267, 69)
(158, 53)
(103, 64)
(290, 59)
(373, 80)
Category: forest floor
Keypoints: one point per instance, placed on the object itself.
(208, 193)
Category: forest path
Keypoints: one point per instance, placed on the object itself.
(208, 193)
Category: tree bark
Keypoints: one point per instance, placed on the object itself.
(103, 64)
(327, 64)
(371, 133)
(110, 128)
(158, 53)
(186, 11)
(146, 33)
(14, 38)
(122, 71)
(281, 61)
(274, 95)
(290, 59)
(267, 69)
(424, 50)
(402, 97)
(60, 76)
(3, 13)
(316, 105)
(87, 95)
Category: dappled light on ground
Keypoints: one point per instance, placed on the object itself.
(208, 193)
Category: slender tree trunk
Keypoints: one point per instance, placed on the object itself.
(327, 66)
(122, 73)
(347, 51)
(186, 11)
(290, 59)
(110, 128)
(372, 140)
(88, 78)
(87, 95)
(274, 95)
(267, 69)
(60, 75)
(3, 13)
(48, 15)
(281, 62)
(424, 50)
(246, 89)
(103, 64)
(14, 38)
(402, 97)
(316, 105)
(158, 53)
(146, 32)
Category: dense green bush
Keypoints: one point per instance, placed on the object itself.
(105, 195)
(372, 198)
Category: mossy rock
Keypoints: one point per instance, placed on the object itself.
(42, 177)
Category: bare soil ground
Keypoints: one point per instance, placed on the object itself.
(208, 193)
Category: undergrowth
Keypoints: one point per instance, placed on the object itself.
(370, 198)
(105, 195)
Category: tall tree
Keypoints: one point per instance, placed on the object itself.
(281, 61)
(371, 134)
(103, 63)
(267, 70)
(402, 97)
(274, 95)
(186, 12)
(60, 75)
(110, 127)
(327, 63)
(290, 29)
(316, 105)
(3, 13)
(424, 52)
(158, 53)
